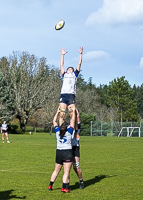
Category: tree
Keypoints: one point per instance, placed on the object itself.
(87, 101)
(6, 103)
(89, 84)
(102, 92)
(86, 119)
(120, 96)
(81, 83)
(39, 119)
(32, 84)
(139, 98)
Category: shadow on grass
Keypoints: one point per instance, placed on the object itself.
(5, 195)
(92, 181)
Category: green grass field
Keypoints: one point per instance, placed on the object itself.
(112, 168)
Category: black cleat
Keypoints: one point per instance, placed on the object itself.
(81, 185)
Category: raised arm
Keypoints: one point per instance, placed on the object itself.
(80, 59)
(55, 118)
(63, 52)
(78, 117)
(72, 121)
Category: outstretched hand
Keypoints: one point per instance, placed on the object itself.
(80, 50)
(63, 52)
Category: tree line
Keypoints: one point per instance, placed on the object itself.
(30, 91)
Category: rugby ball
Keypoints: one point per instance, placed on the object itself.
(59, 25)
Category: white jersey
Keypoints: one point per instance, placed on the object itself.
(4, 127)
(65, 141)
(69, 82)
(74, 141)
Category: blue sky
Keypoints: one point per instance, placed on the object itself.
(111, 32)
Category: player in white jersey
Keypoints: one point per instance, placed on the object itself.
(68, 90)
(64, 153)
(4, 128)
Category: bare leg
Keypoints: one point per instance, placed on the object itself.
(55, 172)
(67, 167)
(6, 134)
(2, 136)
(78, 124)
(63, 107)
(70, 108)
(77, 169)
(54, 175)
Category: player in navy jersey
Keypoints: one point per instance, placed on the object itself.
(68, 90)
(64, 153)
(76, 150)
(4, 128)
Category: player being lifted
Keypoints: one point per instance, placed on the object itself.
(67, 100)
(68, 91)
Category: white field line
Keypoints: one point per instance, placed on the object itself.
(19, 171)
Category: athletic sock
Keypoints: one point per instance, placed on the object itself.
(66, 185)
(51, 183)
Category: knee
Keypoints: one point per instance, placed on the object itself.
(57, 171)
(70, 110)
(76, 166)
(62, 112)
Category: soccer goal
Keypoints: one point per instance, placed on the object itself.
(130, 131)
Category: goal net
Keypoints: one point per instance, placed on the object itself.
(130, 131)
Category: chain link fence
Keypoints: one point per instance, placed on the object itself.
(100, 128)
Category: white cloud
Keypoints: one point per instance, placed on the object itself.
(95, 55)
(118, 11)
(141, 63)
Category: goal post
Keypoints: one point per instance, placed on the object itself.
(130, 131)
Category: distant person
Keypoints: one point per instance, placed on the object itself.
(4, 128)
(68, 90)
(64, 153)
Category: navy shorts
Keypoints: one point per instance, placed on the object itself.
(76, 152)
(64, 156)
(4, 131)
(68, 99)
